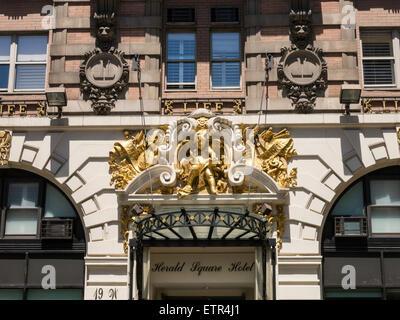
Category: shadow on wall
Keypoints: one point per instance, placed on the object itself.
(17, 9)
(387, 5)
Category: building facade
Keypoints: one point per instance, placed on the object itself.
(164, 149)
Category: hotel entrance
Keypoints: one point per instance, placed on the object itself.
(202, 273)
(203, 254)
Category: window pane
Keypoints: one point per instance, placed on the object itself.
(21, 222)
(225, 74)
(23, 194)
(11, 294)
(385, 191)
(351, 203)
(5, 44)
(181, 72)
(32, 48)
(30, 77)
(225, 46)
(55, 294)
(385, 220)
(352, 227)
(181, 46)
(57, 205)
(4, 70)
(378, 72)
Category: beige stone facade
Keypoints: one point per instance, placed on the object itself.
(333, 150)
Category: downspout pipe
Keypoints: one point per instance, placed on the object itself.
(272, 244)
(132, 247)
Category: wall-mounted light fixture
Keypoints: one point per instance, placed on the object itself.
(350, 94)
(56, 97)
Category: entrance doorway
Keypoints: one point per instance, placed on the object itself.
(203, 253)
(206, 273)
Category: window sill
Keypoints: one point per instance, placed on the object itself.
(381, 88)
(226, 89)
(21, 93)
(180, 90)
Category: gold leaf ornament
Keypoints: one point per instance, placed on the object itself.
(273, 152)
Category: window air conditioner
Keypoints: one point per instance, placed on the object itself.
(353, 226)
(56, 228)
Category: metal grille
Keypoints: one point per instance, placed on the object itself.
(382, 49)
(226, 15)
(56, 229)
(180, 15)
(378, 72)
(351, 227)
(202, 224)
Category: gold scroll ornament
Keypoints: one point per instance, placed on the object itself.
(128, 159)
(5, 145)
(273, 152)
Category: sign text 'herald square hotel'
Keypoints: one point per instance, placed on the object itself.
(164, 149)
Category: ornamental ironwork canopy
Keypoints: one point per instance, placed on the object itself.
(202, 224)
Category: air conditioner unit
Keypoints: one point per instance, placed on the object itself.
(353, 226)
(56, 228)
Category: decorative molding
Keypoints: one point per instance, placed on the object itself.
(203, 154)
(273, 152)
(128, 159)
(104, 73)
(302, 70)
(5, 145)
(129, 217)
(274, 221)
(103, 77)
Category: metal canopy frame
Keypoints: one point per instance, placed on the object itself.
(177, 228)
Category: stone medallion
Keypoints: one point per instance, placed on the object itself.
(104, 75)
(104, 70)
(302, 67)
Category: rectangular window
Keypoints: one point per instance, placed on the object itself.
(225, 64)
(385, 220)
(378, 59)
(23, 62)
(5, 45)
(384, 211)
(181, 61)
(22, 209)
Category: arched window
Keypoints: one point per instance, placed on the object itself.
(42, 240)
(361, 238)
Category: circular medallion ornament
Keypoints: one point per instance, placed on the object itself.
(104, 75)
(104, 70)
(302, 74)
(302, 67)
